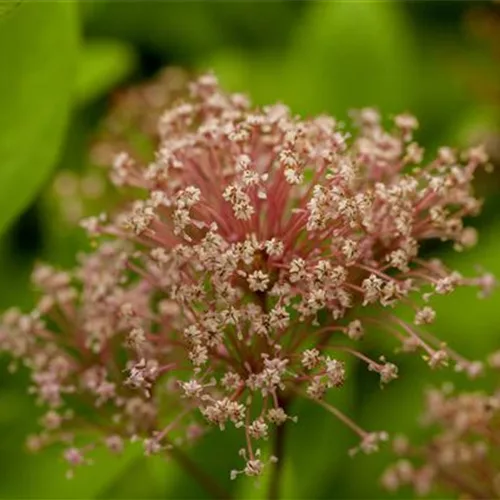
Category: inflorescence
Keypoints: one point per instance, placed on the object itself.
(461, 455)
(258, 252)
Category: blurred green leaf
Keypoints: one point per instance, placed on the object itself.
(38, 46)
(394, 409)
(44, 475)
(216, 454)
(176, 30)
(103, 64)
(342, 55)
(166, 477)
(240, 71)
(475, 124)
(150, 483)
(254, 25)
(14, 270)
(7, 6)
(89, 9)
(190, 31)
(350, 54)
(441, 96)
(316, 447)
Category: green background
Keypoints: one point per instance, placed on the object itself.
(59, 64)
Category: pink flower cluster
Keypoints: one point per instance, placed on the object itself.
(461, 456)
(258, 252)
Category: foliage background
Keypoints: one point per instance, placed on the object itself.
(59, 64)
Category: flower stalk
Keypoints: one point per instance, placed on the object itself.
(278, 451)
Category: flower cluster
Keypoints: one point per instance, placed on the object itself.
(238, 277)
(462, 454)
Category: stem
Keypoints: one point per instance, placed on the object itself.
(215, 490)
(460, 482)
(278, 447)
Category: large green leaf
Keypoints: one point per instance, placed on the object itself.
(38, 45)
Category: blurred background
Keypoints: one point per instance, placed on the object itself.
(63, 65)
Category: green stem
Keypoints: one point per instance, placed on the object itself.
(278, 448)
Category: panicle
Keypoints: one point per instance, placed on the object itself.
(237, 277)
(461, 455)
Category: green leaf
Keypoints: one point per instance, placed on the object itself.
(45, 474)
(15, 270)
(348, 55)
(254, 24)
(179, 30)
(38, 46)
(316, 446)
(167, 476)
(7, 6)
(139, 479)
(240, 71)
(343, 55)
(103, 64)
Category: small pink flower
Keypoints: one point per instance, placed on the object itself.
(462, 448)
